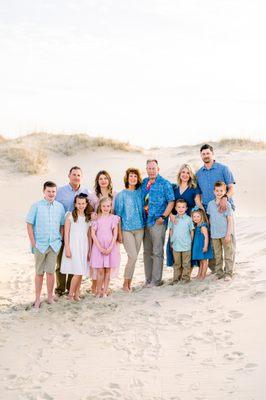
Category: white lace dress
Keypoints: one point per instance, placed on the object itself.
(79, 246)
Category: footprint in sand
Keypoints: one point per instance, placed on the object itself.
(234, 356)
(235, 314)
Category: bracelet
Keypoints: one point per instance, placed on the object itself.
(163, 217)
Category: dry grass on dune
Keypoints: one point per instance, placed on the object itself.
(25, 160)
(29, 154)
(242, 144)
(72, 144)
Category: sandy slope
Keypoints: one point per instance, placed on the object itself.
(199, 341)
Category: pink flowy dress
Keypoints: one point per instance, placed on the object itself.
(103, 228)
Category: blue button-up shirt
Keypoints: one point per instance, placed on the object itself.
(181, 236)
(207, 178)
(47, 218)
(160, 194)
(218, 220)
(66, 195)
(129, 206)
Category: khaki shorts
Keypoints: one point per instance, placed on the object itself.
(45, 262)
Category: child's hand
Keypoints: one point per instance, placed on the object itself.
(68, 253)
(205, 248)
(93, 216)
(108, 251)
(227, 239)
(102, 250)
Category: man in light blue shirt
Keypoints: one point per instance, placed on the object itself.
(207, 176)
(66, 195)
(212, 172)
(45, 222)
(158, 198)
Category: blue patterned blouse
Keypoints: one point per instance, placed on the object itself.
(129, 206)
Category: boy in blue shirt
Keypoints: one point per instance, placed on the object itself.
(221, 224)
(181, 236)
(45, 221)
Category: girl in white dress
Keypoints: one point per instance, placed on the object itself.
(77, 244)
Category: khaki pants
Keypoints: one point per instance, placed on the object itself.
(182, 265)
(153, 244)
(132, 242)
(224, 254)
(45, 262)
(212, 262)
(63, 281)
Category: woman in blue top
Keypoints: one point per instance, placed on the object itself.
(129, 207)
(188, 190)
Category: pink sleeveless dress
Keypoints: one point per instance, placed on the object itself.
(103, 228)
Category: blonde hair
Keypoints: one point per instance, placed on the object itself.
(104, 200)
(192, 183)
(202, 214)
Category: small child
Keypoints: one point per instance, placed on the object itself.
(77, 244)
(45, 223)
(181, 236)
(105, 257)
(201, 248)
(221, 233)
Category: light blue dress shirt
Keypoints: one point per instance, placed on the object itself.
(47, 218)
(129, 206)
(181, 237)
(66, 195)
(207, 178)
(218, 220)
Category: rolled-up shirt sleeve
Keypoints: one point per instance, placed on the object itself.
(31, 216)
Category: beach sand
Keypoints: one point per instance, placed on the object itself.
(201, 341)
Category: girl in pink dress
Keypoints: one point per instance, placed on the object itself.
(105, 257)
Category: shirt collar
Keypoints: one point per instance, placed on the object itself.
(214, 166)
(71, 188)
(48, 203)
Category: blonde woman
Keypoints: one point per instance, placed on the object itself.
(187, 189)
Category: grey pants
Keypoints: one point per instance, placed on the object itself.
(153, 244)
(132, 241)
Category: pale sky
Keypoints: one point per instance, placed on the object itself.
(152, 72)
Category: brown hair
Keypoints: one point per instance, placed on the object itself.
(97, 186)
(88, 210)
(103, 200)
(206, 147)
(220, 184)
(73, 168)
(48, 184)
(202, 213)
(133, 171)
(181, 201)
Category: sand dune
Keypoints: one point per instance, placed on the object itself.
(199, 341)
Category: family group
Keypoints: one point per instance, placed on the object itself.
(76, 233)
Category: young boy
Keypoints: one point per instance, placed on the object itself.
(181, 236)
(45, 222)
(221, 233)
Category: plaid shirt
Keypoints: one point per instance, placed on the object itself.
(47, 218)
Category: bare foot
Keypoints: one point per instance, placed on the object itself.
(77, 298)
(36, 304)
(70, 297)
(50, 301)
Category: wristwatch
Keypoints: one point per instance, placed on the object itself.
(163, 217)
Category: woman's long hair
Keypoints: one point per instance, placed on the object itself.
(88, 210)
(192, 183)
(97, 187)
